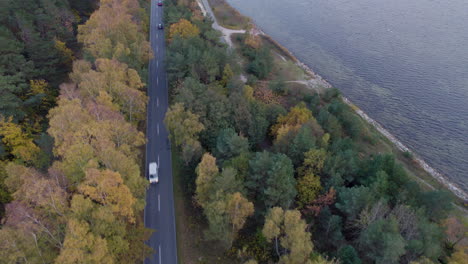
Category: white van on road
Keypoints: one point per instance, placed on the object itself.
(153, 172)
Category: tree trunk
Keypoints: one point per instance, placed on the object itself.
(276, 246)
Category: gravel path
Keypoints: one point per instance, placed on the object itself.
(206, 9)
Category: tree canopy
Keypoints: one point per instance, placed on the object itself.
(85, 207)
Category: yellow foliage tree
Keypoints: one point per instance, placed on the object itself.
(238, 209)
(184, 29)
(64, 50)
(314, 160)
(292, 121)
(106, 187)
(111, 32)
(66, 124)
(324, 141)
(288, 229)
(30, 186)
(206, 171)
(183, 124)
(227, 75)
(308, 188)
(297, 240)
(248, 92)
(15, 245)
(97, 134)
(120, 82)
(459, 256)
(82, 246)
(19, 144)
(38, 86)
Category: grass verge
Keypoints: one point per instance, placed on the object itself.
(284, 66)
(227, 16)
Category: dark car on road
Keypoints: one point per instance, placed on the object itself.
(160, 26)
(159, 3)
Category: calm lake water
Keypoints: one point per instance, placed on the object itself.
(405, 63)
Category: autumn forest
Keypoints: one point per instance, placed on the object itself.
(72, 101)
(269, 174)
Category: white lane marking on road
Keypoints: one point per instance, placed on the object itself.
(158, 128)
(157, 101)
(147, 117)
(158, 159)
(159, 203)
(160, 254)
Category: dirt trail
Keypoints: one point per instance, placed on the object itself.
(314, 82)
(206, 9)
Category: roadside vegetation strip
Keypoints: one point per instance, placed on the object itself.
(191, 245)
(264, 162)
(182, 219)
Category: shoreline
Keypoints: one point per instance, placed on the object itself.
(443, 180)
(457, 191)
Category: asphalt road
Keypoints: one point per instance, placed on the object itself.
(159, 210)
